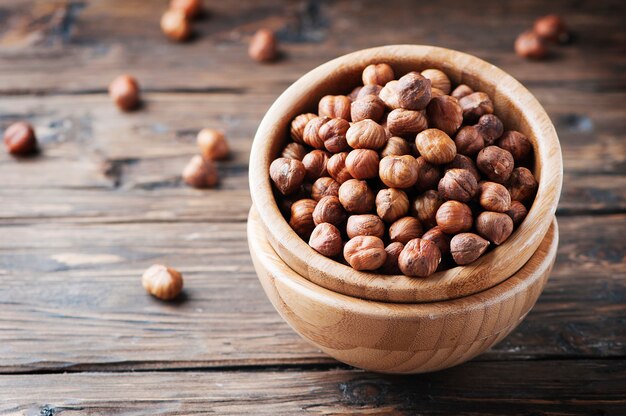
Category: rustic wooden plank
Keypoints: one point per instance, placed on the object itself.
(580, 387)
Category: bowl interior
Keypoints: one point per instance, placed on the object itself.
(513, 103)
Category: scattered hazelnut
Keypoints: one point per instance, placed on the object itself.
(335, 106)
(330, 210)
(263, 46)
(356, 196)
(200, 173)
(522, 185)
(297, 126)
(396, 146)
(405, 229)
(175, 25)
(467, 247)
(377, 74)
(336, 167)
(494, 197)
(212, 144)
(413, 91)
(495, 163)
(428, 175)
(419, 258)
(315, 164)
(469, 141)
(162, 282)
(362, 163)
(490, 127)
(19, 139)
(302, 217)
(398, 171)
(454, 217)
(445, 114)
(530, 45)
(287, 174)
(425, 207)
(458, 184)
(441, 239)
(294, 151)
(191, 8)
(552, 28)
(324, 187)
(367, 107)
(391, 262)
(438, 79)
(365, 224)
(517, 144)
(401, 122)
(333, 134)
(391, 204)
(517, 212)
(475, 105)
(435, 146)
(365, 252)
(366, 134)
(461, 91)
(494, 226)
(326, 240)
(311, 135)
(124, 91)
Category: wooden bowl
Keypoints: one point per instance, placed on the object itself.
(513, 103)
(399, 337)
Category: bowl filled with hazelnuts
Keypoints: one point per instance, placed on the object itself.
(403, 206)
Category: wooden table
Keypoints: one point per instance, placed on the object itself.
(104, 200)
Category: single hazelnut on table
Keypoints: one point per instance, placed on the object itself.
(469, 141)
(419, 258)
(330, 210)
(494, 197)
(162, 282)
(263, 46)
(494, 226)
(175, 25)
(326, 240)
(396, 146)
(551, 28)
(333, 134)
(356, 196)
(315, 164)
(19, 139)
(213, 144)
(438, 79)
(467, 247)
(124, 91)
(530, 45)
(398, 171)
(458, 184)
(405, 229)
(200, 173)
(517, 212)
(297, 126)
(336, 167)
(365, 224)
(367, 107)
(475, 105)
(302, 217)
(464, 162)
(393, 251)
(441, 239)
(517, 144)
(287, 174)
(454, 217)
(377, 74)
(365, 252)
(401, 122)
(362, 163)
(324, 187)
(425, 207)
(490, 127)
(335, 106)
(310, 134)
(294, 151)
(435, 146)
(522, 185)
(495, 163)
(413, 91)
(366, 134)
(461, 91)
(391, 204)
(445, 113)
(191, 8)
(428, 175)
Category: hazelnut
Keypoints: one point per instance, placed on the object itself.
(552, 28)
(435, 92)
(365, 252)
(315, 164)
(356, 196)
(517, 144)
(419, 258)
(530, 45)
(124, 91)
(324, 187)
(365, 224)
(362, 163)
(367, 107)
(494, 197)
(495, 163)
(435, 146)
(467, 247)
(413, 91)
(401, 122)
(335, 106)
(393, 251)
(311, 131)
(464, 162)
(398, 171)
(369, 90)
(425, 207)
(263, 46)
(333, 134)
(162, 282)
(438, 79)
(175, 25)
(490, 127)
(522, 185)
(396, 146)
(297, 126)
(326, 240)
(294, 151)
(405, 229)
(454, 217)
(428, 175)
(469, 141)
(302, 217)
(191, 8)
(19, 139)
(389, 94)
(441, 239)
(517, 212)
(200, 173)
(445, 114)
(212, 144)
(494, 226)
(391, 204)
(330, 210)
(366, 134)
(377, 74)
(475, 105)
(461, 91)
(336, 167)
(287, 174)
(458, 184)
(355, 93)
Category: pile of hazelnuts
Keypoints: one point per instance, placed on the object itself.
(404, 176)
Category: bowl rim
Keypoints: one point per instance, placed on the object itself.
(489, 270)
